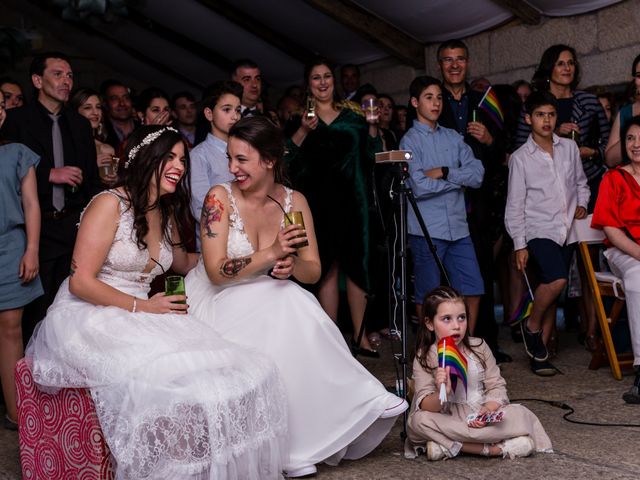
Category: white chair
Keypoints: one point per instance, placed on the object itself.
(602, 284)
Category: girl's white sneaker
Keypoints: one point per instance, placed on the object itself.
(435, 451)
(517, 447)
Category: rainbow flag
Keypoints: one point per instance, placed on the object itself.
(523, 311)
(490, 104)
(450, 356)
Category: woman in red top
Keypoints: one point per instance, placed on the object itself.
(617, 212)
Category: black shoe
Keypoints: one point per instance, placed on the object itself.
(543, 368)
(502, 356)
(533, 344)
(10, 424)
(363, 352)
(516, 334)
(633, 395)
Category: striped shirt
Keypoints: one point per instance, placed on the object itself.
(587, 113)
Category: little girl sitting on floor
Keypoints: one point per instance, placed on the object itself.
(444, 427)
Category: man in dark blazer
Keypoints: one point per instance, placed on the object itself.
(66, 175)
(460, 112)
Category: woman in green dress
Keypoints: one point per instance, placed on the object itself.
(330, 158)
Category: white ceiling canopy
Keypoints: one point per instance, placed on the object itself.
(438, 20)
(192, 43)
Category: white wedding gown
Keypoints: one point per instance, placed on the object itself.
(174, 400)
(334, 402)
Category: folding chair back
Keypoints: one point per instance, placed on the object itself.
(602, 285)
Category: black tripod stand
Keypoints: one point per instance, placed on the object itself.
(404, 194)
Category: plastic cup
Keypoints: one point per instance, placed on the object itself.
(110, 169)
(371, 110)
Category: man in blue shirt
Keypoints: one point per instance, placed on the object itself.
(442, 166)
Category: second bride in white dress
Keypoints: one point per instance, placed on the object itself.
(337, 409)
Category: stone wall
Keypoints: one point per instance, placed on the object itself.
(607, 41)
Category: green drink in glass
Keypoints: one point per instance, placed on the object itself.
(174, 285)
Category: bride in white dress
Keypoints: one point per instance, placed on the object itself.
(174, 400)
(337, 409)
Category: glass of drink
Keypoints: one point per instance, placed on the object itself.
(311, 107)
(575, 135)
(370, 108)
(295, 218)
(109, 169)
(174, 285)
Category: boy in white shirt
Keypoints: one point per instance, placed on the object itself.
(547, 190)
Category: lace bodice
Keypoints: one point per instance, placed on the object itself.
(238, 244)
(125, 263)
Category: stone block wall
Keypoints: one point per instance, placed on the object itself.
(606, 41)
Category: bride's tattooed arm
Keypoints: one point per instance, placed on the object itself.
(212, 210)
(231, 268)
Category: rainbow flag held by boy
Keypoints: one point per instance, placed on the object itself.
(523, 311)
(450, 356)
(490, 104)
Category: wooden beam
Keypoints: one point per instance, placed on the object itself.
(137, 54)
(49, 15)
(259, 29)
(522, 10)
(375, 30)
(182, 41)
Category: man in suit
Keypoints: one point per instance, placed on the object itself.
(120, 121)
(247, 73)
(460, 112)
(350, 80)
(66, 175)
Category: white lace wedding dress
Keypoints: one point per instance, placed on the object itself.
(334, 402)
(174, 400)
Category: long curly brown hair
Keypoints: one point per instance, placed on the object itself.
(146, 167)
(425, 337)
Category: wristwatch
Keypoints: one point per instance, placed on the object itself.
(445, 172)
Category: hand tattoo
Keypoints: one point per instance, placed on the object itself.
(212, 210)
(74, 267)
(231, 268)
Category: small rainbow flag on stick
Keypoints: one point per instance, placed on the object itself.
(523, 311)
(525, 307)
(450, 356)
(490, 104)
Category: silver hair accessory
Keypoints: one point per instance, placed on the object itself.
(148, 140)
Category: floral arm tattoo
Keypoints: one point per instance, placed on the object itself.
(231, 268)
(74, 267)
(212, 210)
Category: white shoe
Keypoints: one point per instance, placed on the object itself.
(517, 447)
(397, 406)
(301, 472)
(435, 451)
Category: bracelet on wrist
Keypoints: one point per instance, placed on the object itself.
(135, 305)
